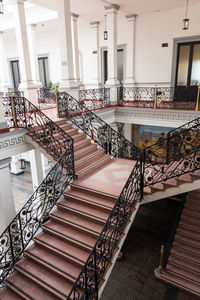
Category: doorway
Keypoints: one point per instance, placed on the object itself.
(15, 73)
(187, 71)
(120, 65)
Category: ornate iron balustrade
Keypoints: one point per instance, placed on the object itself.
(158, 97)
(87, 284)
(173, 156)
(46, 97)
(95, 98)
(21, 230)
(109, 139)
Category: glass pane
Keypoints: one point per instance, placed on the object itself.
(195, 76)
(120, 66)
(15, 69)
(41, 71)
(183, 63)
(46, 69)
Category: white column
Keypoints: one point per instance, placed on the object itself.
(76, 51)
(3, 123)
(46, 166)
(5, 84)
(95, 27)
(36, 168)
(130, 52)
(33, 55)
(15, 165)
(128, 131)
(66, 54)
(111, 11)
(7, 207)
(26, 84)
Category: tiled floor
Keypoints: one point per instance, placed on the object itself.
(22, 187)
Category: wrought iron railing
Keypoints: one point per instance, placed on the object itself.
(98, 130)
(47, 97)
(23, 114)
(159, 97)
(95, 98)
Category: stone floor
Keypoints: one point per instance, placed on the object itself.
(133, 277)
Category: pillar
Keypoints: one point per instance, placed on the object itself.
(33, 55)
(3, 123)
(7, 207)
(36, 168)
(111, 11)
(5, 84)
(26, 84)
(95, 27)
(67, 81)
(128, 131)
(46, 166)
(76, 51)
(130, 52)
(15, 165)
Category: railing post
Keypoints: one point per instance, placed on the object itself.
(197, 102)
(155, 97)
(13, 109)
(161, 259)
(142, 165)
(57, 105)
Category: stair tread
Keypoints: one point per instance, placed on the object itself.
(184, 263)
(79, 219)
(31, 288)
(186, 255)
(186, 246)
(66, 247)
(189, 275)
(82, 152)
(102, 161)
(65, 264)
(96, 154)
(181, 282)
(8, 294)
(82, 236)
(188, 235)
(88, 208)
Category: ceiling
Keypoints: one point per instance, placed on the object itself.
(93, 10)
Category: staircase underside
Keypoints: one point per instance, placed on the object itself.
(183, 266)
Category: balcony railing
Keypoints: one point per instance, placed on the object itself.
(95, 98)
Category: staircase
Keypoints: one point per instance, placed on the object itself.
(78, 243)
(183, 266)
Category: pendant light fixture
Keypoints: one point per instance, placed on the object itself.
(105, 33)
(186, 20)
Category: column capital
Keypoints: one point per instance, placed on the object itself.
(131, 17)
(75, 16)
(112, 8)
(94, 24)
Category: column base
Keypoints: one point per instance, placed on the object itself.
(4, 86)
(129, 82)
(112, 82)
(30, 91)
(67, 84)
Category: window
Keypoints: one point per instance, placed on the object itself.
(43, 70)
(15, 73)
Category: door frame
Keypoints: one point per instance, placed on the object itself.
(121, 46)
(10, 71)
(177, 41)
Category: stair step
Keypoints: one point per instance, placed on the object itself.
(61, 122)
(181, 282)
(91, 209)
(185, 264)
(189, 226)
(78, 145)
(192, 206)
(79, 218)
(187, 239)
(189, 220)
(76, 233)
(59, 283)
(88, 160)
(186, 178)
(171, 182)
(71, 132)
(85, 151)
(192, 214)
(9, 293)
(189, 233)
(66, 126)
(182, 245)
(157, 187)
(185, 254)
(147, 190)
(187, 274)
(63, 264)
(33, 289)
(59, 244)
(91, 195)
(97, 165)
